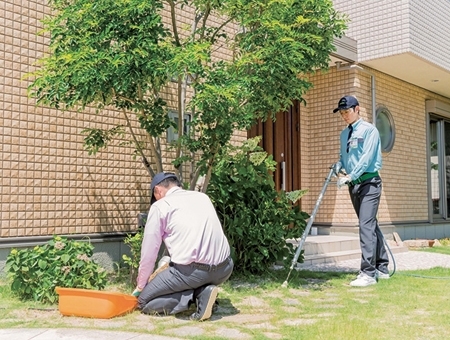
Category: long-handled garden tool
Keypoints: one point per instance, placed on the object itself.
(334, 171)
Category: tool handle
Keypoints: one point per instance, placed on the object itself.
(311, 218)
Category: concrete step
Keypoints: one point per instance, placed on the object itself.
(335, 248)
(338, 256)
(387, 230)
(322, 244)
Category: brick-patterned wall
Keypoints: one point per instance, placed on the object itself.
(386, 28)
(431, 41)
(320, 144)
(404, 172)
(49, 183)
(380, 27)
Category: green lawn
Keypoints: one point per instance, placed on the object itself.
(410, 305)
(445, 249)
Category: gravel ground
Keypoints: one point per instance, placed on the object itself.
(410, 260)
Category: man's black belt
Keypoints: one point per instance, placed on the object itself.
(207, 267)
(210, 267)
(364, 177)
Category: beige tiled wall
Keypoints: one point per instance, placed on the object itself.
(430, 29)
(404, 170)
(386, 28)
(49, 184)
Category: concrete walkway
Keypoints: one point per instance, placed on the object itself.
(74, 334)
(411, 260)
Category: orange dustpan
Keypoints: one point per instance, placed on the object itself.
(94, 303)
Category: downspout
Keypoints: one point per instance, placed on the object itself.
(372, 85)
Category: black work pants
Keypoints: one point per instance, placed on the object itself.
(174, 289)
(366, 199)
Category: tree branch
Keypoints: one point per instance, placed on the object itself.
(180, 125)
(219, 28)
(138, 146)
(205, 17)
(174, 22)
(153, 147)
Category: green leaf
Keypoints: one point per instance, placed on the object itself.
(42, 264)
(65, 258)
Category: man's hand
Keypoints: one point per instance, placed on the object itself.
(336, 168)
(136, 292)
(343, 181)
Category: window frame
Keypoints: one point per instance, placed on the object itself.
(384, 111)
(172, 135)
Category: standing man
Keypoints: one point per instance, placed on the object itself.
(187, 223)
(360, 156)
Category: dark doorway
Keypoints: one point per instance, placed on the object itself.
(281, 138)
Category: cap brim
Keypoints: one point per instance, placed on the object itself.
(343, 108)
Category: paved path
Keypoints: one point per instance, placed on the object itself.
(74, 334)
(411, 260)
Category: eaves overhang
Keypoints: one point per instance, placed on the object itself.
(346, 50)
(415, 70)
(406, 66)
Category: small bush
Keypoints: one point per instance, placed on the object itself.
(445, 242)
(65, 263)
(256, 218)
(135, 243)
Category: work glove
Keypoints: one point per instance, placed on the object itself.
(343, 181)
(136, 292)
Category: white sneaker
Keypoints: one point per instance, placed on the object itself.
(363, 280)
(381, 275)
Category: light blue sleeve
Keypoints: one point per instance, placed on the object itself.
(368, 155)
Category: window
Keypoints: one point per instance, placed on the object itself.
(438, 140)
(172, 134)
(439, 151)
(386, 128)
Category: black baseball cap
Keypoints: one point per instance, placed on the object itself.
(158, 179)
(346, 103)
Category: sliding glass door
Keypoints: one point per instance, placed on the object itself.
(440, 167)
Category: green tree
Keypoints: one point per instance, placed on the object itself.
(119, 54)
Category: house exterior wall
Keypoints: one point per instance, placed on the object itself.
(380, 27)
(386, 28)
(50, 185)
(404, 173)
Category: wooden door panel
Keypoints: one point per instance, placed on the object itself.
(279, 153)
(281, 138)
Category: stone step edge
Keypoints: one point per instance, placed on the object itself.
(337, 254)
(315, 248)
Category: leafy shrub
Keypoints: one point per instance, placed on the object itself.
(135, 243)
(60, 262)
(256, 218)
(445, 242)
